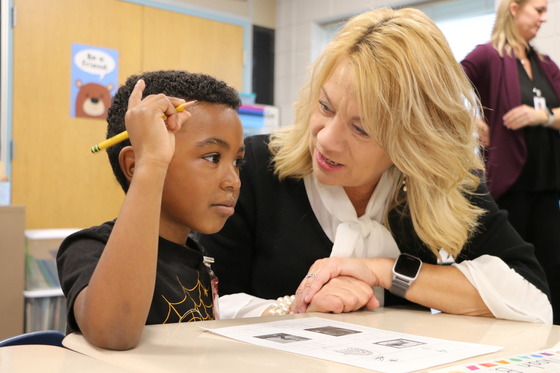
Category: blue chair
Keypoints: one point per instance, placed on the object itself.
(45, 337)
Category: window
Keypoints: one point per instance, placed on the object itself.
(465, 24)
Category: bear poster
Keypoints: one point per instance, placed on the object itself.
(93, 82)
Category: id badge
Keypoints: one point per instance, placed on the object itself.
(214, 286)
(539, 102)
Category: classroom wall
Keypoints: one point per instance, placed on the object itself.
(259, 12)
(296, 22)
(264, 13)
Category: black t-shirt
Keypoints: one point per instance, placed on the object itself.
(182, 290)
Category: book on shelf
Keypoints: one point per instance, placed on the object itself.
(41, 246)
(45, 313)
(45, 304)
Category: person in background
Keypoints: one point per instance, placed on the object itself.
(379, 172)
(179, 174)
(519, 89)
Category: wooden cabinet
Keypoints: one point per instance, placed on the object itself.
(12, 262)
(30, 296)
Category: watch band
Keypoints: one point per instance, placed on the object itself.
(399, 287)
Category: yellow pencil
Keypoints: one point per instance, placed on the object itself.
(124, 135)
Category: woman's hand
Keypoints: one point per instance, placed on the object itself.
(370, 272)
(524, 115)
(343, 294)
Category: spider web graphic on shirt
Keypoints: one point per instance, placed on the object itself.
(195, 296)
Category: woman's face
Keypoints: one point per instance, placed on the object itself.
(343, 153)
(529, 17)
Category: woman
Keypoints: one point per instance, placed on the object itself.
(380, 162)
(519, 89)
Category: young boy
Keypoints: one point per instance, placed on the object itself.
(180, 173)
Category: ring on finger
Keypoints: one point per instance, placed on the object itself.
(311, 275)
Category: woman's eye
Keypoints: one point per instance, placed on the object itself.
(324, 107)
(214, 158)
(240, 162)
(360, 131)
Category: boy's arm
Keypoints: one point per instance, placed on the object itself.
(112, 310)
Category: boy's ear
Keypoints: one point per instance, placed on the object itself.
(127, 161)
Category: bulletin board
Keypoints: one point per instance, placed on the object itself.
(54, 174)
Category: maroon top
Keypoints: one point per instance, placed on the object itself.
(497, 82)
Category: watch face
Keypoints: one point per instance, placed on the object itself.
(407, 265)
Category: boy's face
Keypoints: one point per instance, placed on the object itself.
(202, 182)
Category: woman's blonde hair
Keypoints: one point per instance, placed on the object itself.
(417, 104)
(504, 34)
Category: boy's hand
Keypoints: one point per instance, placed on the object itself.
(152, 137)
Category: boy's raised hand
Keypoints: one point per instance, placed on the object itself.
(152, 137)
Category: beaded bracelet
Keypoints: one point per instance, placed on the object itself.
(282, 305)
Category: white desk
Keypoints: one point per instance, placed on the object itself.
(50, 359)
(186, 347)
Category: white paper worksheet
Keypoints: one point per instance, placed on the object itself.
(356, 345)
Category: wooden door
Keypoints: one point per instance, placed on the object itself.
(178, 41)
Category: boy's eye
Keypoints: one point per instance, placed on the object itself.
(214, 158)
(240, 162)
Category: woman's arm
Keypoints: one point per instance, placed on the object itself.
(525, 115)
(441, 287)
(494, 268)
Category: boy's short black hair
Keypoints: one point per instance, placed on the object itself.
(175, 83)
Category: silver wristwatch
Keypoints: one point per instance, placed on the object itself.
(405, 272)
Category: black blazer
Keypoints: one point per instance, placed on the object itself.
(266, 248)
